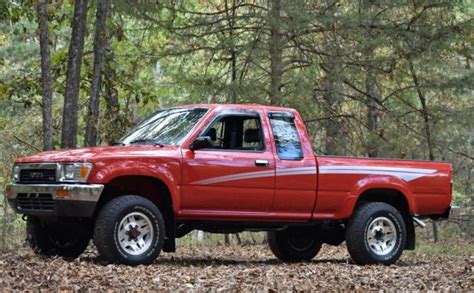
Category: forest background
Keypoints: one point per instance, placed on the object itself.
(371, 78)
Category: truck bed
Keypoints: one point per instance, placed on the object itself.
(425, 184)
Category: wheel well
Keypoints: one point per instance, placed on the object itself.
(148, 187)
(396, 199)
(390, 196)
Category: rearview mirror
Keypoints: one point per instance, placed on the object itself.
(201, 142)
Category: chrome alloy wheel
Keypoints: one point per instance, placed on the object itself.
(135, 233)
(381, 236)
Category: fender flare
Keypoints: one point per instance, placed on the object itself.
(379, 182)
(160, 172)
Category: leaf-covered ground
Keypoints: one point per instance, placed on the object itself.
(237, 268)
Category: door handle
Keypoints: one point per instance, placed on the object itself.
(261, 163)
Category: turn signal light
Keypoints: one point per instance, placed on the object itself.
(62, 193)
(84, 172)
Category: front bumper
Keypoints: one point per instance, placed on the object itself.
(63, 200)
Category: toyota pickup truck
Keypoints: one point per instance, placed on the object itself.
(224, 169)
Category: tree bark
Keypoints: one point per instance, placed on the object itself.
(100, 42)
(233, 53)
(46, 80)
(424, 111)
(427, 122)
(331, 82)
(73, 75)
(113, 129)
(373, 117)
(5, 224)
(239, 240)
(276, 53)
(331, 103)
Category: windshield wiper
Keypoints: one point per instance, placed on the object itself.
(146, 141)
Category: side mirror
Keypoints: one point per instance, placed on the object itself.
(201, 142)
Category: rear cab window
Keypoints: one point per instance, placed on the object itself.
(285, 135)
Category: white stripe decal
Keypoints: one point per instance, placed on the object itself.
(376, 168)
(407, 174)
(247, 175)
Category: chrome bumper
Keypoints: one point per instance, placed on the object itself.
(77, 200)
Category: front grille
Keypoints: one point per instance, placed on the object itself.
(37, 175)
(35, 202)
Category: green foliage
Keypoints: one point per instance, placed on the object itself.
(173, 52)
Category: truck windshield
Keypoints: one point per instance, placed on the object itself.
(166, 127)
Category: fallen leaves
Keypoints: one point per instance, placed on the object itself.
(235, 268)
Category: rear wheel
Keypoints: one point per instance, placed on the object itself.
(130, 230)
(294, 244)
(67, 240)
(376, 234)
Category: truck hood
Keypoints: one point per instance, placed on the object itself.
(94, 154)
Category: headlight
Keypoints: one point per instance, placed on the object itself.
(16, 174)
(75, 172)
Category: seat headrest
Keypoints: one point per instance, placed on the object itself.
(252, 135)
(212, 133)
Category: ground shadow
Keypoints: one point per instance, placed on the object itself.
(204, 262)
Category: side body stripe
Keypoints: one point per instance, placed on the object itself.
(407, 174)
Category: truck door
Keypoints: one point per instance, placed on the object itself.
(296, 180)
(235, 178)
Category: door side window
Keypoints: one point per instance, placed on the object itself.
(236, 132)
(285, 134)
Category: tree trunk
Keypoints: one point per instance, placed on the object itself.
(435, 231)
(5, 224)
(276, 53)
(46, 80)
(331, 71)
(100, 42)
(427, 122)
(254, 241)
(226, 239)
(73, 75)
(233, 54)
(113, 129)
(373, 116)
(424, 111)
(239, 240)
(200, 236)
(331, 106)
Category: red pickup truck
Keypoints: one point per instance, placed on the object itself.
(224, 169)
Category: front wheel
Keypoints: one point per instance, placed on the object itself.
(129, 230)
(376, 234)
(294, 244)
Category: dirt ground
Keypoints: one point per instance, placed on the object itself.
(236, 268)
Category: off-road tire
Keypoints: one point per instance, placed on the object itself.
(107, 225)
(67, 240)
(357, 233)
(284, 244)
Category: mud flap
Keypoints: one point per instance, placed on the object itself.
(170, 240)
(411, 238)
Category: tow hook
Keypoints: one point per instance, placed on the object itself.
(419, 222)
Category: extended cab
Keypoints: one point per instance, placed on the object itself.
(224, 169)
